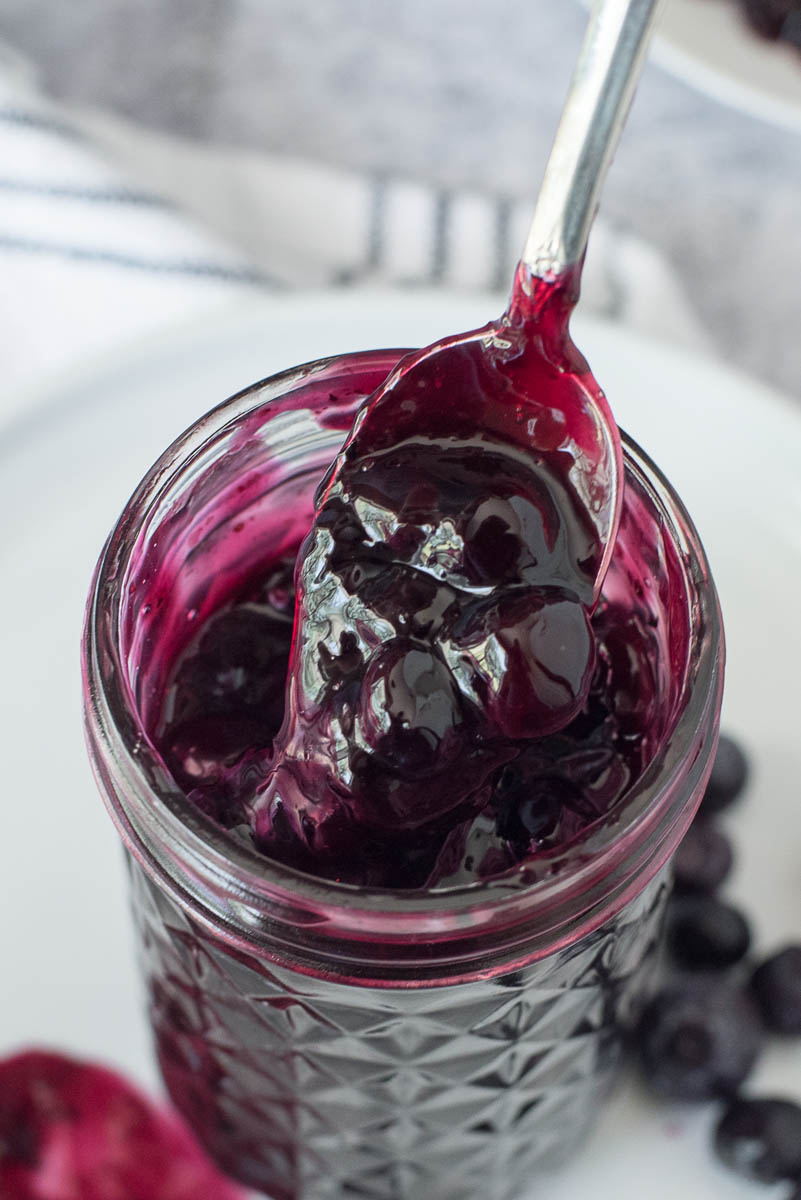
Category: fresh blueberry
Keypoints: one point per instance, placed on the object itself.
(703, 859)
(698, 1040)
(761, 1139)
(767, 17)
(728, 777)
(791, 29)
(776, 983)
(707, 934)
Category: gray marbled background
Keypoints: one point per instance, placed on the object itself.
(457, 94)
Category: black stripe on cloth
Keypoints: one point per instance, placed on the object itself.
(195, 267)
(618, 290)
(30, 120)
(439, 236)
(68, 191)
(503, 216)
(376, 221)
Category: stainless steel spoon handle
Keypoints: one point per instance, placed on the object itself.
(593, 117)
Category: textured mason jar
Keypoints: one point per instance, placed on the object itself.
(327, 1041)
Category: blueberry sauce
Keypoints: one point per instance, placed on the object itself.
(420, 682)
(72, 1129)
(443, 603)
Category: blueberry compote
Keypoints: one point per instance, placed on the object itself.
(418, 684)
(71, 1130)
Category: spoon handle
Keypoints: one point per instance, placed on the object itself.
(597, 105)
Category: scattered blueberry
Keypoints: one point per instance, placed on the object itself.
(768, 17)
(728, 777)
(707, 934)
(703, 859)
(698, 1040)
(791, 29)
(776, 983)
(761, 1139)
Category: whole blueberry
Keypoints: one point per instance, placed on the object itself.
(761, 1139)
(706, 934)
(698, 1040)
(703, 859)
(767, 16)
(791, 29)
(728, 777)
(776, 983)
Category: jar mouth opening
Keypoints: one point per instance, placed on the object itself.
(235, 883)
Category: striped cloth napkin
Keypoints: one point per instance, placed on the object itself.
(109, 232)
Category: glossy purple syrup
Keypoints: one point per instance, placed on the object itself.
(456, 700)
(443, 600)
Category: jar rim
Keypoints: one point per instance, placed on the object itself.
(383, 933)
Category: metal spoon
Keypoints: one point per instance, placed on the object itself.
(528, 365)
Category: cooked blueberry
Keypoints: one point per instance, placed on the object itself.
(728, 777)
(698, 1040)
(409, 707)
(527, 811)
(703, 859)
(532, 655)
(776, 983)
(707, 934)
(761, 1139)
(492, 546)
(202, 748)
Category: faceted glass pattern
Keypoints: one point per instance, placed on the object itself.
(309, 1089)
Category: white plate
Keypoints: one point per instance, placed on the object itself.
(732, 448)
(709, 45)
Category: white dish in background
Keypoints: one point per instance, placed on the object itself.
(709, 45)
(66, 467)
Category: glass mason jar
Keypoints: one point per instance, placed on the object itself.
(328, 1041)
